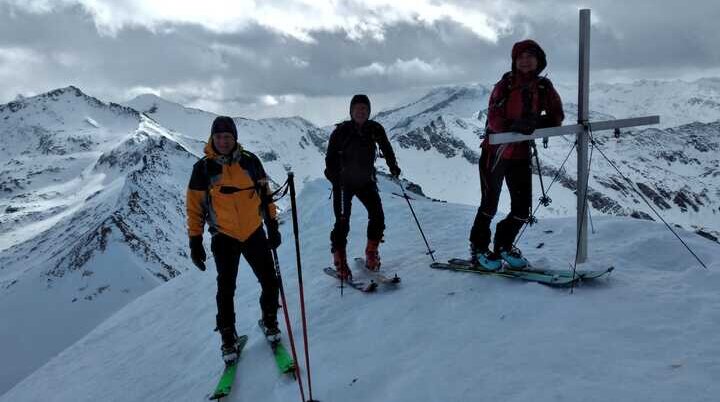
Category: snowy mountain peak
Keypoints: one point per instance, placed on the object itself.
(463, 101)
(151, 104)
(58, 102)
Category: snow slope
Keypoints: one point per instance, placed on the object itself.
(643, 334)
(194, 123)
(94, 217)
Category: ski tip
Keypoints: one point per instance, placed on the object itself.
(371, 287)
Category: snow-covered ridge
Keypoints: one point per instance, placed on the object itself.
(61, 94)
(93, 216)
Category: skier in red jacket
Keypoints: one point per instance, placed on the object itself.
(521, 102)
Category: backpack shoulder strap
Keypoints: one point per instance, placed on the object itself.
(252, 164)
(544, 87)
(505, 84)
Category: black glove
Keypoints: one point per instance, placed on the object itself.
(395, 171)
(330, 176)
(273, 233)
(523, 126)
(545, 122)
(197, 252)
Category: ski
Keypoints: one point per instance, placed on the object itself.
(582, 274)
(225, 383)
(550, 280)
(376, 275)
(355, 284)
(283, 359)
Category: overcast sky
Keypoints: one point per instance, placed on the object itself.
(279, 58)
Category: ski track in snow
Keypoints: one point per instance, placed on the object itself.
(646, 333)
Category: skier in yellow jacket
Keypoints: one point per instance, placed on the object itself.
(229, 191)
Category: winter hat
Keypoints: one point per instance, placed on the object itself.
(224, 124)
(529, 46)
(360, 98)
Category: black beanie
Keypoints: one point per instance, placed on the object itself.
(360, 98)
(224, 124)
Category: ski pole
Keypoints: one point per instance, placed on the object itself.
(544, 200)
(296, 231)
(342, 215)
(407, 199)
(287, 323)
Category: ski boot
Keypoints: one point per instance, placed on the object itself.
(372, 256)
(229, 344)
(485, 259)
(269, 326)
(514, 258)
(341, 265)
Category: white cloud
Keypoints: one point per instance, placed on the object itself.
(298, 62)
(372, 69)
(407, 69)
(18, 65)
(294, 18)
(141, 90)
(269, 100)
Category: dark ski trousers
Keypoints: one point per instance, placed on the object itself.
(517, 173)
(342, 207)
(255, 249)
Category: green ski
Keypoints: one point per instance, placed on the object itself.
(284, 361)
(225, 384)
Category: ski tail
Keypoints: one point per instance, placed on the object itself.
(284, 361)
(366, 287)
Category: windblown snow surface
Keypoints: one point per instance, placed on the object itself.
(646, 333)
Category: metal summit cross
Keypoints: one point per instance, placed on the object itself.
(582, 130)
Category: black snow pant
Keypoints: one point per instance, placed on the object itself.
(255, 249)
(342, 207)
(517, 173)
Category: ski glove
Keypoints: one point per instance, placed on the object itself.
(273, 235)
(545, 122)
(331, 177)
(523, 126)
(395, 171)
(197, 252)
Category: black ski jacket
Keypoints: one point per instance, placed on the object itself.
(351, 153)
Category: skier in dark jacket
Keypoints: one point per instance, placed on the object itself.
(350, 167)
(521, 102)
(229, 191)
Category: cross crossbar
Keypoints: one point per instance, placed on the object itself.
(509, 137)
